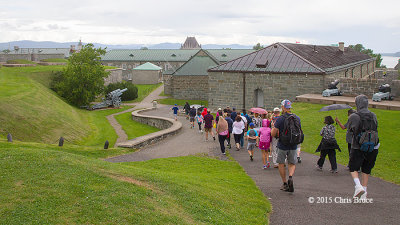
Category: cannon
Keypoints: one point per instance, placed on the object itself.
(332, 89)
(383, 94)
(112, 99)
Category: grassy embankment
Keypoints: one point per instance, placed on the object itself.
(30, 111)
(20, 61)
(56, 60)
(388, 162)
(132, 128)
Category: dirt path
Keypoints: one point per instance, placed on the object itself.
(332, 190)
(145, 103)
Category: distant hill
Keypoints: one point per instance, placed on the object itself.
(51, 44)
(397, 54)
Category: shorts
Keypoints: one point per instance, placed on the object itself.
(363, 160)
(191, 119)
(175, 114)
(264, 145)
(251, 146)
(290, 155)
(207, 129)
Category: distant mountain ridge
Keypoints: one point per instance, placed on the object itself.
(397, 54)
(51, 44)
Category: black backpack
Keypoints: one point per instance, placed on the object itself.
(368, 132)
(292, 134)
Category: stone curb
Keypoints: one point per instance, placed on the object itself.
(168, 128)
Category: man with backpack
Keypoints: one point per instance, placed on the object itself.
(288, 129)
(364, 147)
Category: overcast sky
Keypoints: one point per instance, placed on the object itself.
(375, 24)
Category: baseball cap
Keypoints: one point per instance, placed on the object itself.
(219, 109)
(276, 109)
(251, 124)
(175, 104)
(287, 104)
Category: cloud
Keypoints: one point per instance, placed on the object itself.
(211, 21)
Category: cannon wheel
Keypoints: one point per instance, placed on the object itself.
(116, 103)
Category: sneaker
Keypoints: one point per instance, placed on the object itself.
(333, 171)
(318, 167)
(290, 184)
(358, 191)
(223, 153)
(298, 160)
(268, 165)
(285, 187)
(364, 196)
(265, 167)
(251, 158)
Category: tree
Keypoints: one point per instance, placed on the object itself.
(361, 48)
(144, 48)
(83, 78)
(258, 46)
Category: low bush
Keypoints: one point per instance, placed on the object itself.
(130, 94)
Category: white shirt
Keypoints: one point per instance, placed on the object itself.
(237, 127)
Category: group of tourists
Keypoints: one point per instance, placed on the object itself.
(278, 135)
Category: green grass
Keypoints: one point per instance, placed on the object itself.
(132, 128)
(388, 162)
(58, 60)
(109, 67)
(163, 94)
(20, 61)
(143, 91)
(65, 186)
(31, 112)
(181, 102)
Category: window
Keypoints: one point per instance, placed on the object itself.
(259, 98)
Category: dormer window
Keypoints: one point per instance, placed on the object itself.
(173, 55)
(131, 55)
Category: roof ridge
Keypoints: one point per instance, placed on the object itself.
(237, 58)
(302, 58)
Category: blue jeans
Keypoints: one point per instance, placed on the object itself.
(242, 139)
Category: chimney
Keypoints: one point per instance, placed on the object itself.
(341, 46)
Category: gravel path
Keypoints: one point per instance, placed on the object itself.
(145, 103)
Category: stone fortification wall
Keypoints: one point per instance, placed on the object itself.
(226, 89)
(114, 77)
(146, 76)
(190, 87)
(167, 79)
(31, 57)
(366, 86)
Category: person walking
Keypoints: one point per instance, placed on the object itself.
(251, 137)
(287, 149)
(264, 142)
(237, 131)
(274, 141)
(186, 107)
(244, 129)
(199, 118)
(192, 115)
(361, 123)
(208, 124)
(204, 113)
(349, 135)
(233, 114)
(222, 131)
(328, 145)
(230, 123)
(175, 110)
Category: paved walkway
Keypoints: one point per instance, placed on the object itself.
(288, 208)
(145, 103)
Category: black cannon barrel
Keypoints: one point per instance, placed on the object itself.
(385, 88)
(333, 85)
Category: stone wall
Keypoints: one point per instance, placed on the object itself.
(31, 57)
(167, 79)
(360, 71)
(226, 89)
(114, 77)
(146, 76)
(190, 87)
(366, 86)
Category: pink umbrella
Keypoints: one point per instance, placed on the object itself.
(258, 110)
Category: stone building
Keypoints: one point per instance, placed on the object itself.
(190, 81)
(147, 73)
(283, 71)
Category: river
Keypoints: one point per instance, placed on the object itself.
(390, 61)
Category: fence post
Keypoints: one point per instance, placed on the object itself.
(9, 137)
(61, 142)
(106, 144)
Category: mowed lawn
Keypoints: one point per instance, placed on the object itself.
(51, 185)
(132, 128)
(388, 161)
(30, 111)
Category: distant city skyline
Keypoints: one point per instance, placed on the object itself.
(376, 25)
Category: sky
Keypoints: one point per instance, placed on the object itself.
(375, 24)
